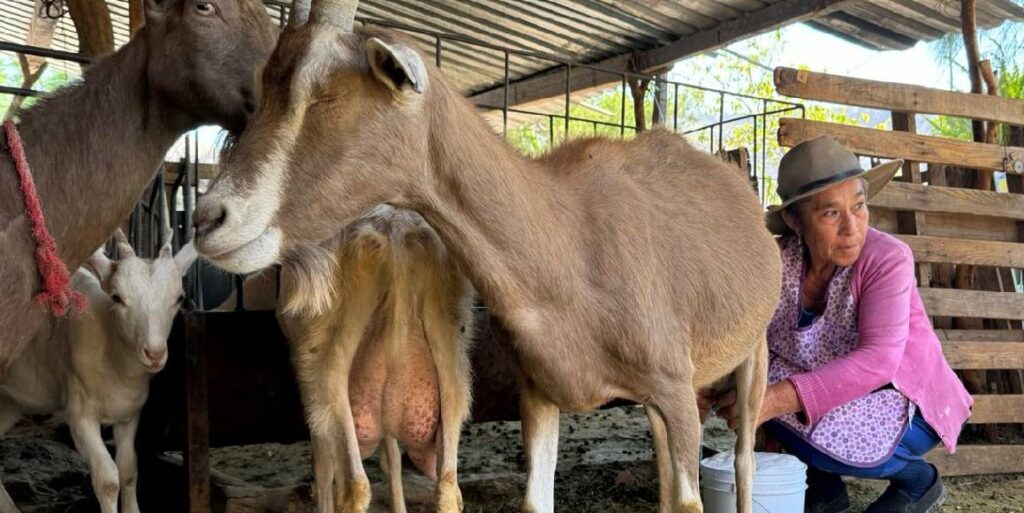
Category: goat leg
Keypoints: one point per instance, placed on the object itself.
(323, 471)
(451, 360)
(540, 441)
(86, 434)
(678, 406)
(666, 478)
(751, 382)
(8, 417)
(391, 464)
(127, 463)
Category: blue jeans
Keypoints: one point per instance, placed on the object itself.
(918, 440)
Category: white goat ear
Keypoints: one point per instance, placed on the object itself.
(397, 66)
(124, 248)
(100, 266)
(186, 256)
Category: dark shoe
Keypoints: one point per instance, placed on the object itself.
(895, 500)
(826, 493)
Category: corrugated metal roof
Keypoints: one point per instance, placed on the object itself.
(588, 30)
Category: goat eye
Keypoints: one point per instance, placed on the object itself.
(204, 8)
(117, 299)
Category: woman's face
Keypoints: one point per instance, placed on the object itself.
(834, 223)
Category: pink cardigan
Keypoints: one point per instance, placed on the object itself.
(897, 345)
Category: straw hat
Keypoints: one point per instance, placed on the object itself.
(817, 164)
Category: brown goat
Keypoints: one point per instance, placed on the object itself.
(633, 269)
(95, 146)
(380, 352)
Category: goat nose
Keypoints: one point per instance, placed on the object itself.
(155, 356)
(209, 219)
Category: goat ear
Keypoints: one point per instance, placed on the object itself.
(124, 248)
(186, 256)
(100, 266)
(397, 66)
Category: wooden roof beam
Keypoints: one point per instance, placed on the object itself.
(551, 83)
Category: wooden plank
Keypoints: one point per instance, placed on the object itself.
(551, 83)
(949, 200)
(884, 143)
(984, 355)
(962, 251)
(980, 335)
(953, 226)
(973, 460)
(963, 226)
(972, 303)
(997, 409)
(810, 85)
(885, 220)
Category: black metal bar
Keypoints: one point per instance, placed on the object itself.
(551, 131)
(622, 109)
(733, 120)
(7, 46)
(437, 52)
(568, 95)
(754, 164)
(764, 151)
(20, 91)
(721, 121)
(504, 108)
(675, 110)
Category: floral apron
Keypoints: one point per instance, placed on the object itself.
(863, 432)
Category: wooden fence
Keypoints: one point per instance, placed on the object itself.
(944, 226)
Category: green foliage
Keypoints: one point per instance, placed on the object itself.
(10, 75)
(744, 70)
(1004, 47)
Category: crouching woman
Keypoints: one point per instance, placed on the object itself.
(858, 383)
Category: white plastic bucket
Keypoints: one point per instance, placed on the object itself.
(779, 483)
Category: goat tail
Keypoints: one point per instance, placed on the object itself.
(401, 300)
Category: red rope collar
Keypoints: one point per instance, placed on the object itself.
(56, 295)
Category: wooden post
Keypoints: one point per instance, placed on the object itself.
(92, 21)
(136, 16)
(639, 89)
(911, 223)
(197, 449)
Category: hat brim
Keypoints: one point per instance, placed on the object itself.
(877, 178)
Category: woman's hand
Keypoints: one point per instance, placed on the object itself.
(779, 399)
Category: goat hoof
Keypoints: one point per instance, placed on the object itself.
(449, 497)
(357, 499)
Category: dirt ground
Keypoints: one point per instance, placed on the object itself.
(605, 465)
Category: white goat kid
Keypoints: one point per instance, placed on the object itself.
(95, 368)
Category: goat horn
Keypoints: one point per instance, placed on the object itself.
(124, 248)
(299, 14)
(340, 13)
(168, 231)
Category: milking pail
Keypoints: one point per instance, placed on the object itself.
(779, 483)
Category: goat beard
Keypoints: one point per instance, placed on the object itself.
(311, 287)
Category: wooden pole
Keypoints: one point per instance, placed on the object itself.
(639, 89)
(95, 31)
(136, 16)
(197, 437)
(969, 19)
